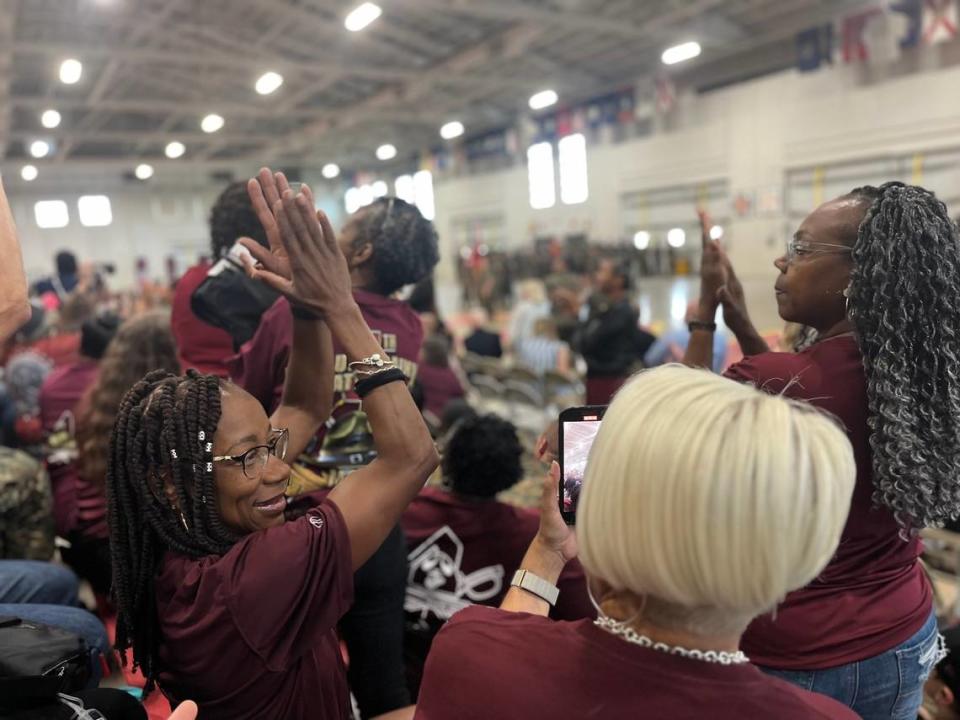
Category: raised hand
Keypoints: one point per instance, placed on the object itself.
(313, 272)
(554, 533)
(264, 191)
(732, 298)
(713, 270)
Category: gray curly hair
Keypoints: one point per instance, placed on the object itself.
(905, 307)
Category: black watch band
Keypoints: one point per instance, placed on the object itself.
(701, 325)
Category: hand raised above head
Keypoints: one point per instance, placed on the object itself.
(713, 270)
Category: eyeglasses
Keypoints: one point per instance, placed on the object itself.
(801, 248)
(254, 460)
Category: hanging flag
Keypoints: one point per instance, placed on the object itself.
(814, 47)
(940, 19)
(853, 48)
(666, 94)
(913, 11)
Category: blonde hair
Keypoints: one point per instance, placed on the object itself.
(706, 495)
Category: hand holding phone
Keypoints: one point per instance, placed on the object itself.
(577, 430)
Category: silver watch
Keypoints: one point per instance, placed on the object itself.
(526, 580)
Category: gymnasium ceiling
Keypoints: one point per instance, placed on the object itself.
(153, 68)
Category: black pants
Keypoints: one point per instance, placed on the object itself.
(373, 629)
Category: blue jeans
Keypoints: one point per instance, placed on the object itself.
(31, 581)
(47, 593)
(888, 686)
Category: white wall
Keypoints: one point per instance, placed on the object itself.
(751, 134)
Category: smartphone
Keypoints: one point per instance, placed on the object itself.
(578, 428)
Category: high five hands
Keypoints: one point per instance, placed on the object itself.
(303, 262)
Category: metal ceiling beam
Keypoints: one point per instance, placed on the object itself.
(231, 63)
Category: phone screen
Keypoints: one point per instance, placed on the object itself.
(578, 437)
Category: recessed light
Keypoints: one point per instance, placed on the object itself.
(175, 150)
(361, 16)
(386, 152)
(39, 148)
(543, 99)
(330, 171)
(50, 119)
(70, 71)
(679, 53)
(211, 123)
(451, 130)
(143, 171)
(269, 82)
(29, 173)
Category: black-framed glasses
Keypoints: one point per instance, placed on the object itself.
(254, 460)
(802, 248)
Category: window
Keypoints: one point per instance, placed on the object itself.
(51, 214)
(423, 193)
(95, 211)
(573, 169)
(543, 190)
(404, 188)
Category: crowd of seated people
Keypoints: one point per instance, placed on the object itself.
(273, 528)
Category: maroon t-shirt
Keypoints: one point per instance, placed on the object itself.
(261, 365)
(463, 552)
(199, 345)
(489, 663)
(251, 634)
(440, 386)
(873, 595)
(59, 398)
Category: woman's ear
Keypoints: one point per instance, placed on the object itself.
(361, 254)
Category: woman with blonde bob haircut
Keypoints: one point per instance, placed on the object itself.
(704, 503)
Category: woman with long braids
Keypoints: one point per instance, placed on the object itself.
(220, 599)
(876, 273)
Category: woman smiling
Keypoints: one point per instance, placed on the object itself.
(221, 600)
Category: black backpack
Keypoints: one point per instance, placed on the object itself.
(39, 661)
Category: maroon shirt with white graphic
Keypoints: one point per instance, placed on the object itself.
(250, 635)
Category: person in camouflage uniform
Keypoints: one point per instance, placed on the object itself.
(26, 513)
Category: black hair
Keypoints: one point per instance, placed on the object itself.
(233, 217)
(423, 298)
(96, 334)
(619, 268)
(405, 244)
(903, 305)
(482, 457)
(435, 351)
(160, 496)
(66, 263)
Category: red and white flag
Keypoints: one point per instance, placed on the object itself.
(940, 21)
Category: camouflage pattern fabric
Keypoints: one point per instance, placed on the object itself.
(26, 508)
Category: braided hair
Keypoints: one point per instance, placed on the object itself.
(160, 496)
(903, 303)
(405, 244)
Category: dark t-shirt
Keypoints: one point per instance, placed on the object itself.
(75, 502)
(464, 552)
(873, 594)
(261, 365)
(440, 386)
(611, 340)
(489, 663)
(250, 635)
(199, 345)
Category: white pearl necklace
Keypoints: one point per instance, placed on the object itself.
(627, 633)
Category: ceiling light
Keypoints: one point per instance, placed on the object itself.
(143, 171)
(269, 82)
(379, 189)
(386, 152)
(543, 99)
(679, 53)
(50, 119)
(29, 173)
(676, 238)
(175, 150)
(641, 240)
(70, 71)
(211, 123)
(39, 148)
(716, 232)
(451, 130)
(330, 171)
(361, 16)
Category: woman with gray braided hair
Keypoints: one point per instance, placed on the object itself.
(221, 599)
(876, 273)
